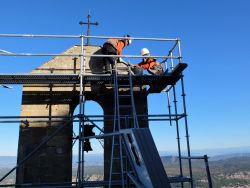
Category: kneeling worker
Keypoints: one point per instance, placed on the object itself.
(150, 64)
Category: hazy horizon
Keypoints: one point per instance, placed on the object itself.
(207, 151)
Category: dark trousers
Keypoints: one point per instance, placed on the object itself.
(109, 62)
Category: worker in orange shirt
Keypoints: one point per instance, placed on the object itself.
(150, 64)
(114, 47)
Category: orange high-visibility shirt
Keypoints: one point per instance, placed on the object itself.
(119, 47)
(150, 62)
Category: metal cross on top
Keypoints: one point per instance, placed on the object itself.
(89, 23)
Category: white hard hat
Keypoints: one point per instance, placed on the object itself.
(144, 51)
(129, 40)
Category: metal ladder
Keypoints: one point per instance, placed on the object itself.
(117, 141)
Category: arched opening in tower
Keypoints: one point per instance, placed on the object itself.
(94, 151)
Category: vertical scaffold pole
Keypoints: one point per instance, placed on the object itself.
(185, 118)
(168, 88)
(114, 129)
(177, 134)
(172, 61)
(169, 108)
(83, 103)
(209, 179)
(81, 119)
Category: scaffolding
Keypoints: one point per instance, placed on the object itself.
(167, 83)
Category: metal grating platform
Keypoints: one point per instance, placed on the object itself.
(74, 79)
(156, 83)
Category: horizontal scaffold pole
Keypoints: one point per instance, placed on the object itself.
(40, 36)
(77, 55)
(85, 36)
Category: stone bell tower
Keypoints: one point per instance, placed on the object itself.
(45, 142)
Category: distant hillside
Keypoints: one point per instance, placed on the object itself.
(174, 159)
(232, 171)
(90, 160)
(228, 156)
(212, 152)
(223, 164)
(97, 159)
(227, 171)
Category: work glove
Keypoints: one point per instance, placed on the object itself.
(120, 60)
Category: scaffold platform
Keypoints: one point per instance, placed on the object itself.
(156, 83)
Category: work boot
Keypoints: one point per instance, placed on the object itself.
(108, 72)
(107, 68)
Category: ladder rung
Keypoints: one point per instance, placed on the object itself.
(125, 106)
(116, 158)
(118, 144)
(124, 95)
(123, 85)
(116, 173)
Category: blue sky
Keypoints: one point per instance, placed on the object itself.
(215, 44)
